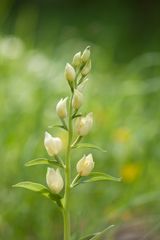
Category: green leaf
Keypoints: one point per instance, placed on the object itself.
(101, 234)
(42, 161)
(88, 237)
(89, 145)
(39, 188)
(95, 177)
(76, 115)
(98, 235)
(98, 176)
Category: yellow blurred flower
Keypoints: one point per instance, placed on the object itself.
(122, 135)
(130, 172)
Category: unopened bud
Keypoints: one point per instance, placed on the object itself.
(77, 99)
(85, 165)
(53, 145)
(84, 124)
(77, 59)
(70, 73)
(86, 69)
(61, 108)
(54, 180)
(82, 85)
(86, 54)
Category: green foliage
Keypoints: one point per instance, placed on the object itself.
(98, 176)
(43, 161)
(39, 188)
(89, 145)
(95, 177)
(98, 235)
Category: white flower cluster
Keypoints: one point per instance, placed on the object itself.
(76, 75)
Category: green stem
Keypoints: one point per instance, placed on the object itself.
(66, 209)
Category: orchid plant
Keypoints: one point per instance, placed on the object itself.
(77, 125)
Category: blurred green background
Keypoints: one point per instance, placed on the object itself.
(37, 38)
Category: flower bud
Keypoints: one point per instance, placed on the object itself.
(61, 108)
(84, 124)
(77, 99)
(70, 73)
(53, 145)
(86, 69)
(82, 85)
(85, 165)
(54, 180)
(77, 59)
(86, 54)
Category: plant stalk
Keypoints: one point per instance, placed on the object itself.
(66, 209)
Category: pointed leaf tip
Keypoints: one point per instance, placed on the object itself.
(98, 235)
(96, 177)
(89, 145)
(39, 188)
(42, 161)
